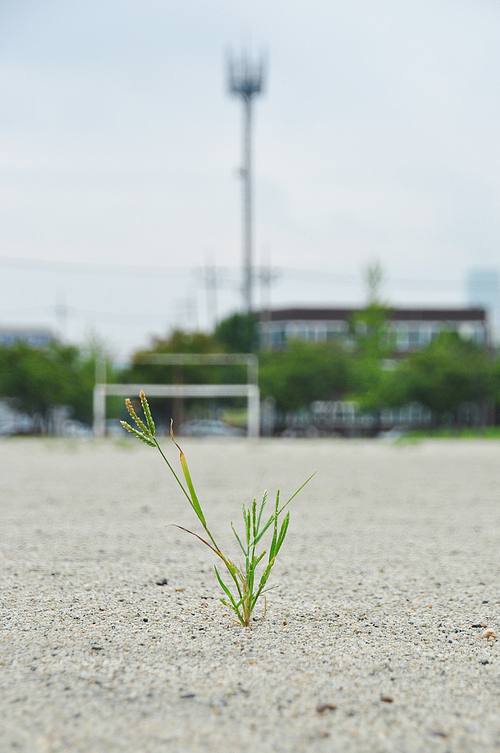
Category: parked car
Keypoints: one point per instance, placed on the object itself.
(13, 421)
(209, 428)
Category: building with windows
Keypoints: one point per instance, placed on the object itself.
(37, 337)
(412, 329)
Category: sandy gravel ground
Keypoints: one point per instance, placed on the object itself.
(389, 575)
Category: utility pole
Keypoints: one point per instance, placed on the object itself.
(245, 81)
(211, 282)
(61, 312)
(267, 276)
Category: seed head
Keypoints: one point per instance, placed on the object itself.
(138, 434)
(147, 413)
(142, 426)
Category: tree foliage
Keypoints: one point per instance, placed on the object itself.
(238, 333)
(180, 341)
(304, 372)
(40, 378)
(449, 372)
(373, 345)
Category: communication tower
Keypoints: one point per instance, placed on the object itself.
(245, 81)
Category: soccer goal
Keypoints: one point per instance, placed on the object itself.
(250, 390)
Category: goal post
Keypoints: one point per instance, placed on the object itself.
(250, 390)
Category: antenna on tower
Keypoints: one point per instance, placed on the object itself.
(245, 81)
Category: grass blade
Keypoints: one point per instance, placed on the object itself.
(219, 554)
(298, 490)
(239, 541)
(225, 588)
(234, 606)
(258, 559)
(261, 534)
(275, 531)
(282, 534)
(194, 499)
(264, 577)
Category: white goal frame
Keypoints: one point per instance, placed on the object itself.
(250, 390)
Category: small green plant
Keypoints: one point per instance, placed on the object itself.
(247, 584)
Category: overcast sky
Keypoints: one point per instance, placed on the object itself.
(377, 137)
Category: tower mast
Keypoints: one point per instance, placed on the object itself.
(245, 81)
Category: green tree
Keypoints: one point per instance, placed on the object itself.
(449, 372)
(41, 378)
(373, 346)
(304, 372)
(179, 341)
(238, 333)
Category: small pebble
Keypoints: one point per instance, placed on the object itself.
(321, 707)
(489, 633)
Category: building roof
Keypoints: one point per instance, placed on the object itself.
(396, 314)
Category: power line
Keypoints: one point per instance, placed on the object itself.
(225, 274)
(126, 318)
(325, 276)
(90, 268)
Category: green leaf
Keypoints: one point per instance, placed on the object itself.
(194, 498)
(275, 531)
(261, 534)
(284, 529)
(192, 494)
(265, 575)
(224, 587)
(233, 605)
(298, 490)
(263, 581)
(239, 541)
(258, 559)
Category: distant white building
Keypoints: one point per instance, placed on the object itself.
(36, 336)
(413, 328)
(483, 289)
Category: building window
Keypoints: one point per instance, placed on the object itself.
(277, 337)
